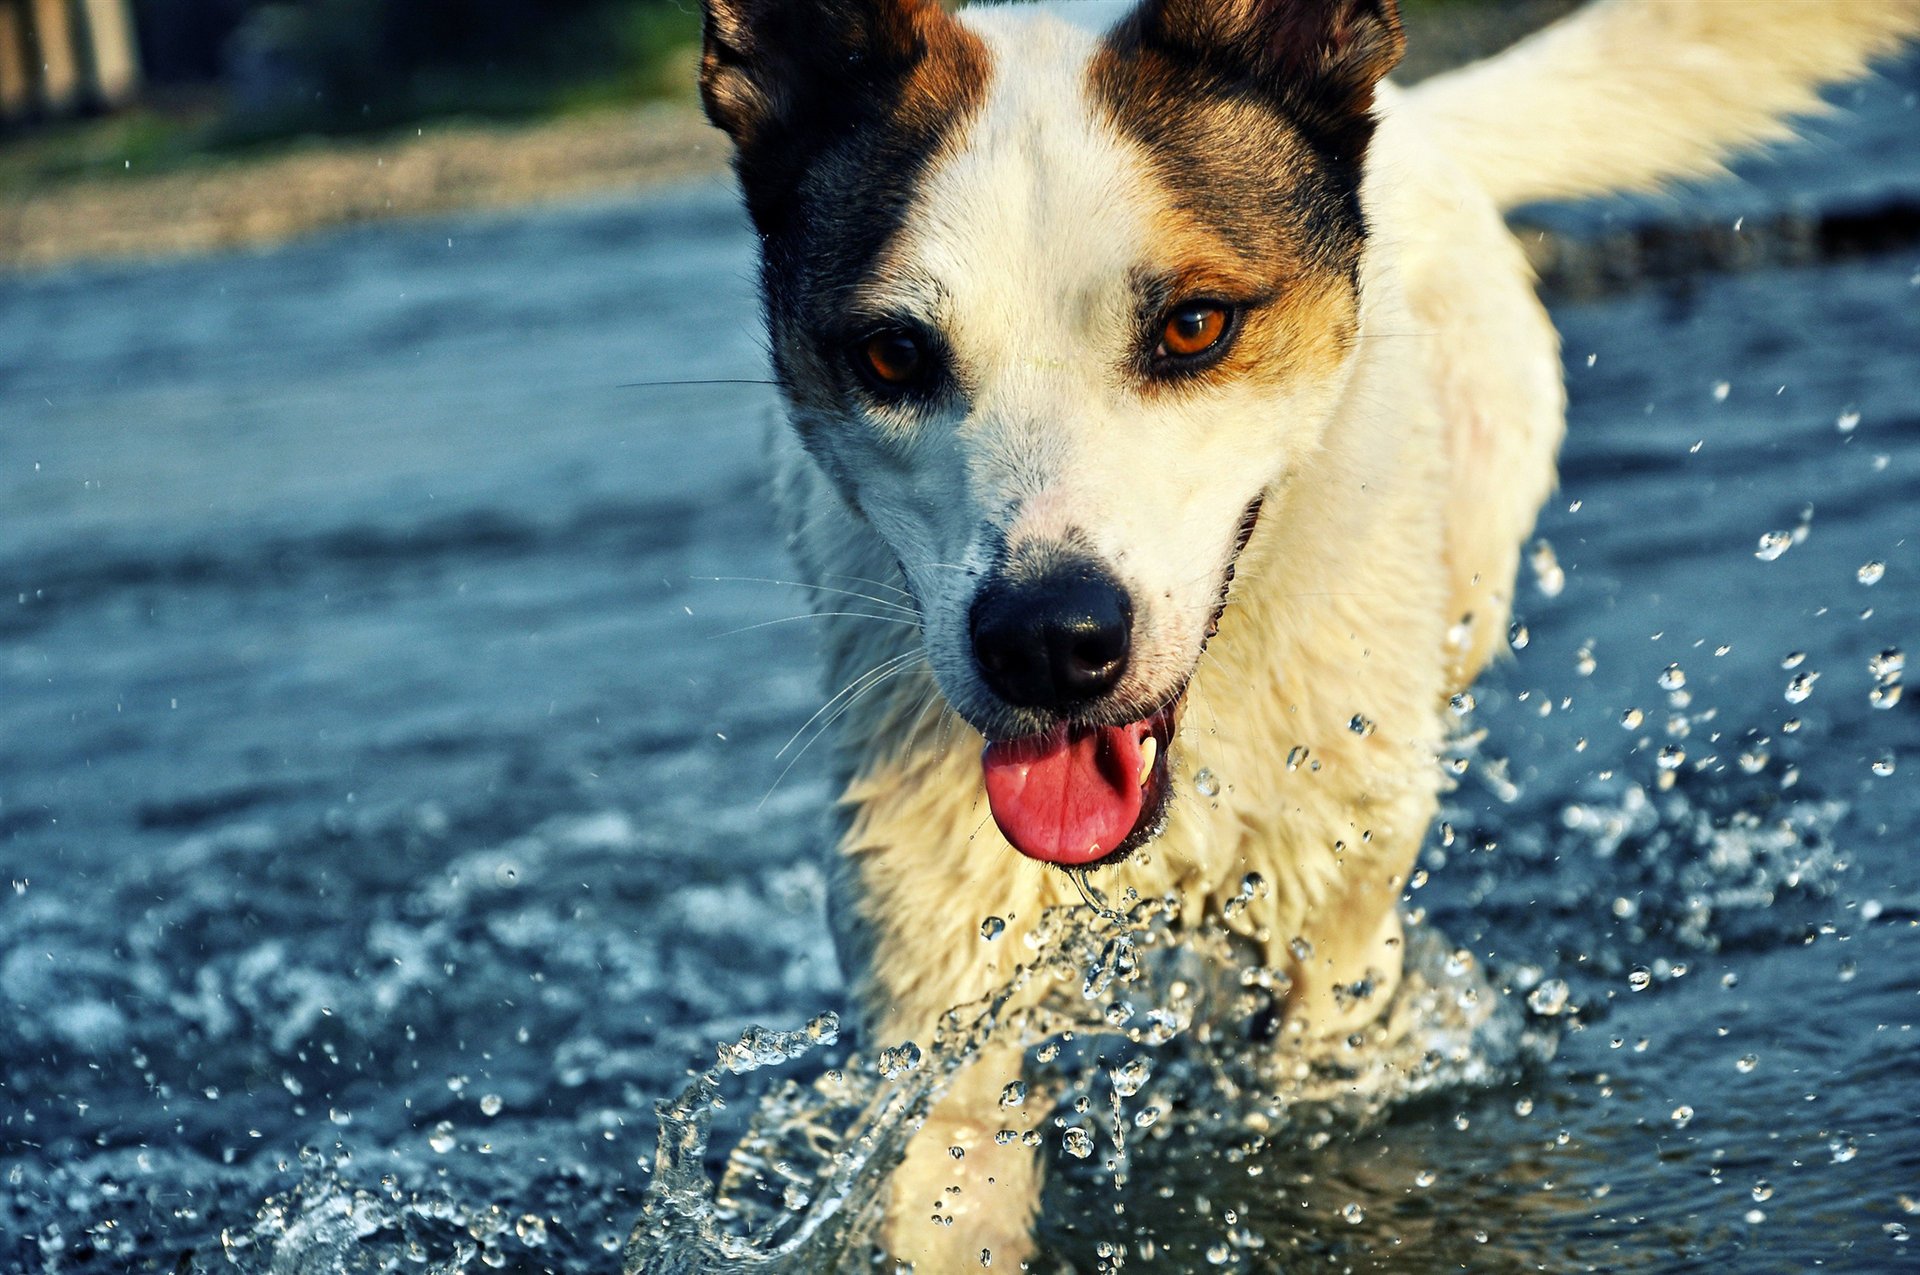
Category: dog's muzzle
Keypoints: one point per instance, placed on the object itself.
(1082, 792)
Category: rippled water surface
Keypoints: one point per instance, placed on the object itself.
(391, 808)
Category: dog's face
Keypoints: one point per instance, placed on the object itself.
(1053, 311)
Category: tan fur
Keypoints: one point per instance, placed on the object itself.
(1385, 530)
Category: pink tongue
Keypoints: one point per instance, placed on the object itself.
(1069, 796)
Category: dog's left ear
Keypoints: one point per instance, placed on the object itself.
(1322, 58)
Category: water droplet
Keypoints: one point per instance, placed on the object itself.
(1425, 1178)
(1296, 756)
(1671, 757)
(1843, 1149)
(1354, 1214)
(1847, 421)
(1518, 637)
(898, 1061)
(1762, 1191)
(1131, 1075)
(532, 1230)
(1683, 1115)
(1746, 1063)
(1077, 1143)
(1884, 696)
(1884, 765)
(441, 1138)
(1146, 1117)
(1891, 662)
(1361, 724)
(1720, 391)
(1550, 998)
(1773, 544)
(1300, 949)
(1640, 978)
(1548, 576)
(1461, 703)
(1013, 1095)
(1632, 719)
(1672, 678)
(1583, 662)
(1206, 783)
(1871, 572)
(992, 928)
(490, 1104)
(1801, 687)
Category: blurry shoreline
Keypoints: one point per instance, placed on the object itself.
(440, 167)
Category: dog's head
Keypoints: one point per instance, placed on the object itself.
(1053, 310)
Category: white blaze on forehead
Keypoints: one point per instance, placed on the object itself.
(1020, 248)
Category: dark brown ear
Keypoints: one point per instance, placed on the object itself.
(1321, 58)
(767, 65)
(792, 80)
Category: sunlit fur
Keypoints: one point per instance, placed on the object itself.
(1402, 432)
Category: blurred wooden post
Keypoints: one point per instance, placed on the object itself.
(16, 76)
(116, 62)
(59, 69)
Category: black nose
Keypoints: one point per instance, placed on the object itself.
(1052, 642)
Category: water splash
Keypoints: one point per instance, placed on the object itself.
(1135, 1037)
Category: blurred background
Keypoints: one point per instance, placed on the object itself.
(406, 740)
(259, 67)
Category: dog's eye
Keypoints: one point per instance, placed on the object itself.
(1192, 329)
(893, 360)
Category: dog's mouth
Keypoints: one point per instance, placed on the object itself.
(1082, 794)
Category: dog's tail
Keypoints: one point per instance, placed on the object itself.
(1627, 94)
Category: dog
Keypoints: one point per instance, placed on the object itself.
(1183, 381)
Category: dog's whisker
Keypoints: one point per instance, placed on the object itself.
(816, 615)
(716, 380)
(933, 697)
(884, 664)
(878, 584)
(892, 669)
(819, 588)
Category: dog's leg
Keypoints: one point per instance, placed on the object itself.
(1351, 950)
(1347, 972)
(910, 893)
(954, 1212)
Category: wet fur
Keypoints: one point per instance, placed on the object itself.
(1026, 190)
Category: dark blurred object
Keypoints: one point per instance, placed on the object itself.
(333, 64)
(60, 57)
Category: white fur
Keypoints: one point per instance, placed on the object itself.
(1398, 492)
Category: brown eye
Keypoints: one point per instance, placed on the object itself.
(894, 359)
(1192, 329)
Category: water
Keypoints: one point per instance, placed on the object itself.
(390, 812)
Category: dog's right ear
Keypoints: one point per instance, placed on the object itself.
(789, 80)
(771, 68)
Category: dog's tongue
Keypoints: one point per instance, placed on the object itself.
(1072, 795)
